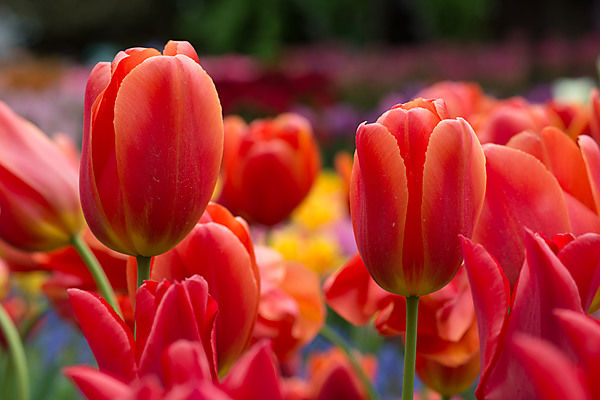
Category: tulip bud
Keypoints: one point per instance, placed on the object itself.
(418, 182)
(152, 146)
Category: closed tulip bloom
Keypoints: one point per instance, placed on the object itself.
(152, 147)
(38, 187)
(418, 182)
(269, 166)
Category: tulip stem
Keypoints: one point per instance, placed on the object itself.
(339, 341)
(97, 272)
(17, 353)
(143, 269)
(410, 347)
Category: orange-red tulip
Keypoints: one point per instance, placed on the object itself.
(269, 166)
(38, 188)
(418, 182)
(152, 146)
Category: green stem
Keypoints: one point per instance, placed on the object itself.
(143, 269)
(339, 341)
(17, 353)
(410, 347)
(446, 397)
(97, 272)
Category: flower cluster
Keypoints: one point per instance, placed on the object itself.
(201, 256)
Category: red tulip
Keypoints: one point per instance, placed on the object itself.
(544, 284)
(172, 353)
(38, 188)
(581, 256)
(165, 313)
(152, 146)
(220, 250)
(418, 182)
(269, 166)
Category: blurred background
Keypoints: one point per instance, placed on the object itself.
(337, 62)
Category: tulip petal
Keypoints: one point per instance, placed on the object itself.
(276, 197)
(158, 151)
(98, 321)
(564, 160)
(582, 259)
(352, 293)
(453, 193)
(520, 193)
(186, 362)
(583, 220)
(254, 376)
(550, 372)
(544, 284)
(174, 47)
(378, 203)
(96, 385)
(583, 333)
(175, 319)
(591, 155)
(491, 297)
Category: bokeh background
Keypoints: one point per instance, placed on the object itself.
(338, 62)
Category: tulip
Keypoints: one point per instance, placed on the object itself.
(152, 146)
(172, 352)
(166, 312)
(269, 166)
(544, 285)
(38, 188)
(220, 250)
(418, 182)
